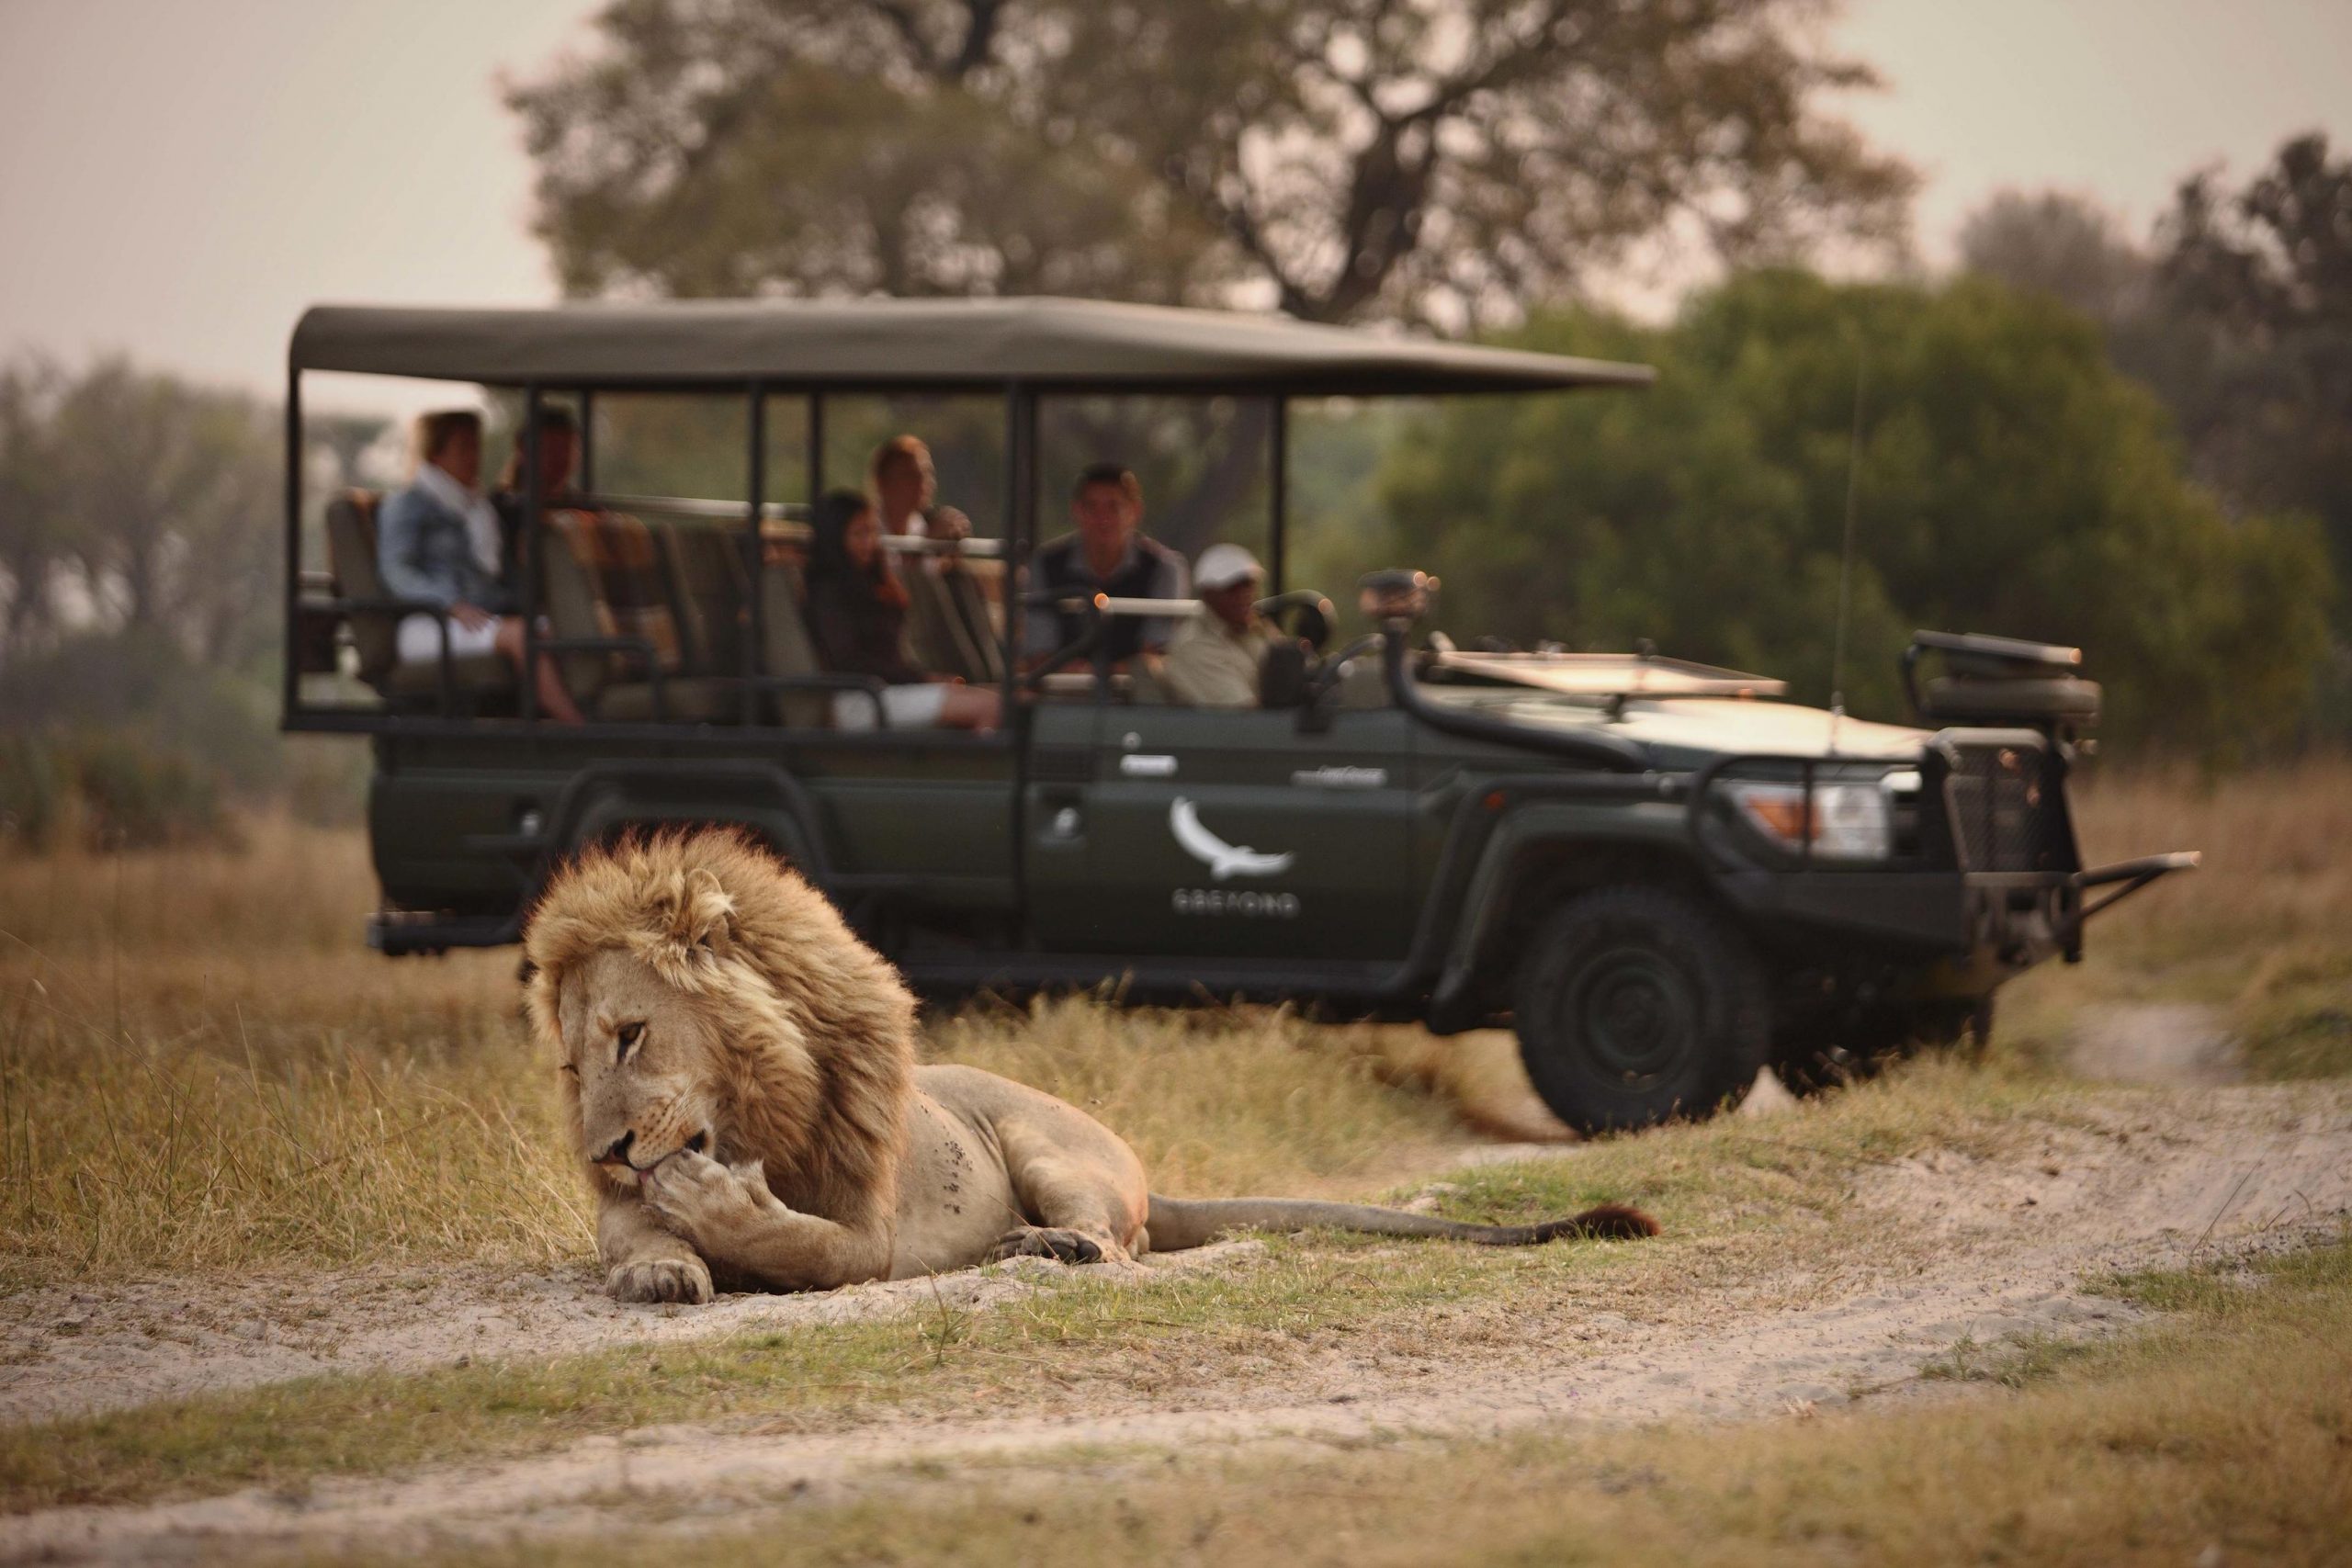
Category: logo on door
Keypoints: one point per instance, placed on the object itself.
(1223, 860)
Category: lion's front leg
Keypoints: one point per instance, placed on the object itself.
(735, 1222)
(644, 1260)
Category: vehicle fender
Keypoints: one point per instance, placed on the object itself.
(1527, 840)
(764, 799)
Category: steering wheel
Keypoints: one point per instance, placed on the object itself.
(1303, 614)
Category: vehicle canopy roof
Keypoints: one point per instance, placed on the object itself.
(1042, 343)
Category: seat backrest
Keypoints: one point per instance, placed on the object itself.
(622, 566)
(351, 557)
(785, 647)
(934, 626)
(571, 607)
(968, 597)
(712, 601)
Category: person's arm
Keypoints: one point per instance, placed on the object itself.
(400, 551)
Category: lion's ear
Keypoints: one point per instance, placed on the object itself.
(706, 920)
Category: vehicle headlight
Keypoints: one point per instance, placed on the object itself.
(1852, 818)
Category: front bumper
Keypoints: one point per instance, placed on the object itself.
(1996, 922)
(1986, 876)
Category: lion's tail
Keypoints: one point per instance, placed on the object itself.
(1179, 1222)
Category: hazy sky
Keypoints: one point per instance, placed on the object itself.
(180, 177)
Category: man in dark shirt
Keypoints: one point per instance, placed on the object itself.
(1109, 555)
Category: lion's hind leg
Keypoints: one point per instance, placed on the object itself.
(1057, 1242)
(1077, 1201)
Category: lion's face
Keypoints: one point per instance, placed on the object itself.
(645, 1058)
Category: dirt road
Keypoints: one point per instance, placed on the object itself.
(2150, 1179)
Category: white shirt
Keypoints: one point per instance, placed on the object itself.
(481, 518)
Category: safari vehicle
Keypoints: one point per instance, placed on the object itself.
(1661, 875)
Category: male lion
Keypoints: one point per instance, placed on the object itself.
(739, 1069)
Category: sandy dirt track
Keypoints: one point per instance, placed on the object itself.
(2156, 1178)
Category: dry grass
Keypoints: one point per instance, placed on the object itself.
(1231, 1101)
(201, 1067)
(2263, 930)
(2278, 867)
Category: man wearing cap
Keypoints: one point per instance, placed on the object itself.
(1213, 663)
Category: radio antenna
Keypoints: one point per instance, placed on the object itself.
(1846, 555)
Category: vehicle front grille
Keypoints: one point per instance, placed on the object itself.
(2001, 817)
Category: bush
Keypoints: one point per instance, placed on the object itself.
(2009, 480)
(108, 790)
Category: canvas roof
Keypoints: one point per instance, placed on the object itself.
(916, 344)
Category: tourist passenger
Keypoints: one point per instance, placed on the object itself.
(904, 486)
(1213, 663)
(559, 455)
(1108, 555)
(438, 541)
(858, 618)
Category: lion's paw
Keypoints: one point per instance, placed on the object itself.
(1046, 1241)
(682, 1280)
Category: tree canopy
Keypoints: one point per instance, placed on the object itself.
(1340, 160)
(2236, 312)
(2006, 480)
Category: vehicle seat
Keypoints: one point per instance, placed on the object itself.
(935, 627)
(787, 650)
(968, 598)
(592, 557)
(375, 634)
(713, 600)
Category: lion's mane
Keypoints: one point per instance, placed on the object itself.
(817, 1056)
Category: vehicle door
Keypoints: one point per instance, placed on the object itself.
(1233, 834)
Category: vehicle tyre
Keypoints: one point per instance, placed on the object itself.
(1634, 1005)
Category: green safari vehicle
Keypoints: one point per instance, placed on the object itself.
(1660, 875)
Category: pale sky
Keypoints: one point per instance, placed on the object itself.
(178, 179)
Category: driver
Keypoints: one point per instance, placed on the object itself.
(1214, 661)
(1108, 554)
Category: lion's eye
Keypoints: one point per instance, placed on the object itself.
(567, 1067)
(629, 1034)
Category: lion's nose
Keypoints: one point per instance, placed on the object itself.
(616, 1152)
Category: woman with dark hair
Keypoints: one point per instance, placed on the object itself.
(857, 617)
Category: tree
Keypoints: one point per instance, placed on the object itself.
(1343, 160)
(2063, 245)
(28, 527)
(2009, 481)
(2264, 277)
(164, 503)
(153, 501)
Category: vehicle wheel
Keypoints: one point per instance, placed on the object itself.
(1634, 1005)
